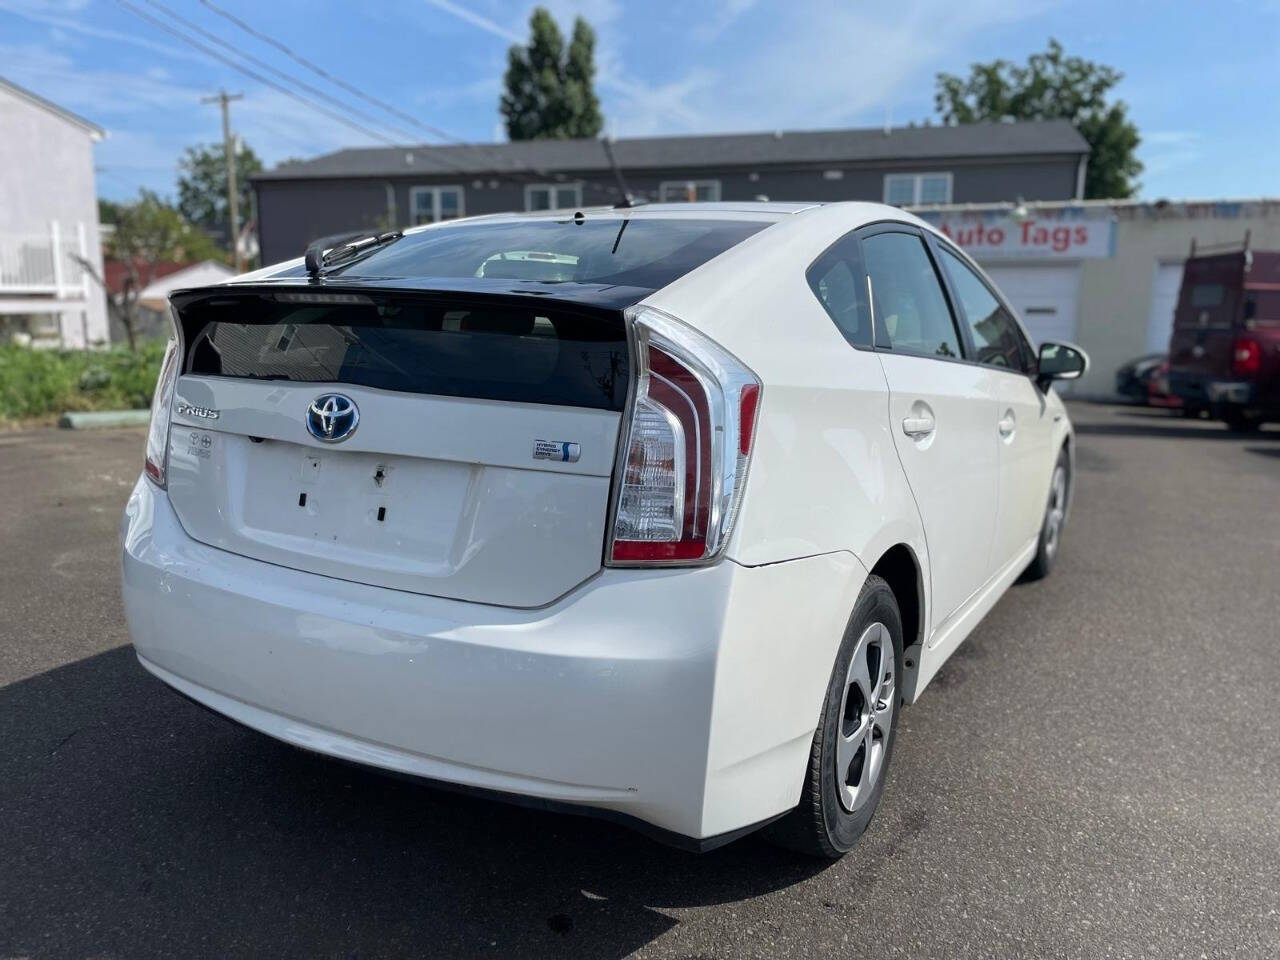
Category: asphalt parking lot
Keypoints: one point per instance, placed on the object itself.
(1095, 774)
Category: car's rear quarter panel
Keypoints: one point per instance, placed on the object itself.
(826, 497)
(824, 475)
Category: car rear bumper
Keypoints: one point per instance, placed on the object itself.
(684, 698)
(1206, 391)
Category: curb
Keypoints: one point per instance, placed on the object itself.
(104, 418)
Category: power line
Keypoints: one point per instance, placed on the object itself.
(208, 51)
(263, 65)
(111, 172)
(173, 31)
(521, 173)
(325, 74)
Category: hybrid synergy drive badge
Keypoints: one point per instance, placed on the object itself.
(556, 450)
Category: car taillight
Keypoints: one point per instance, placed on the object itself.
(155, 463)
(1246, 357)
(686, 448)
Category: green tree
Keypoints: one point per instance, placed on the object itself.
(549, 92)
(108, 211)
(1050, 87)
(202, 187)
(147, 232)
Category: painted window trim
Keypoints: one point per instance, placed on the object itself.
(916, 179)
(686, 184)
(435, 191)
(553, 187)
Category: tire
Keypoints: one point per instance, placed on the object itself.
(1238, 421)
(832, 815)
(1055, 518)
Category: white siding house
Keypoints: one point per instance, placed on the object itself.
(48, 222)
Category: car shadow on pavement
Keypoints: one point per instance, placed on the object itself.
(136, 825)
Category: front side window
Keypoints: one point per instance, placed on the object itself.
(689, 191)
(433, 204)
(996, 337)
(914, 189)
(836, 280)
(910, 312)
(553, 196)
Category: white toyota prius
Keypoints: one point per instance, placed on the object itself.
(661, 513)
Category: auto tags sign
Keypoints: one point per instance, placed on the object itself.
(1036, 235)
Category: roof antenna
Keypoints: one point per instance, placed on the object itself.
(627, 199)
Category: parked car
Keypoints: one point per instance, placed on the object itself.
(1158, 392)
(1224, 355)
(671, 530)
(1133, 377)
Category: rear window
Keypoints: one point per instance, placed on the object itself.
(635, 252)
(494, 350)
(1208, 295)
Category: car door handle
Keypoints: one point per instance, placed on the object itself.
(919, 426)
(1007, 424)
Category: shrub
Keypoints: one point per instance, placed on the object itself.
(39, 383)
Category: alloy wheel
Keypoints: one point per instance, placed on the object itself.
(1056, 511)
(866, 717)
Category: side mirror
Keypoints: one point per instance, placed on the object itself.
(1060, 361)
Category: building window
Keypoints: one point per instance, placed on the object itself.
(689, 191)
(553, 196)
(914, 189)
(433, 204)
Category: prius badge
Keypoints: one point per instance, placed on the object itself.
(332, 417)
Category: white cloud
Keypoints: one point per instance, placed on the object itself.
(477, 20)
(819, 65)
(77, 25)
(725, 17)
(1170, 137)
(1163, 151)
(152, 118)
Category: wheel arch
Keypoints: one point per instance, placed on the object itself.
(901, 569)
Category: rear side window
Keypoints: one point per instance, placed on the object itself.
(996, 337)
(634, 252)
(1262, 306)
(495, 350)
(836, 279)
(1208, 295)
(911, 313)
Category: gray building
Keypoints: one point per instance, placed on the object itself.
(386, 187)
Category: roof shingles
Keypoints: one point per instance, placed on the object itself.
(715, 150)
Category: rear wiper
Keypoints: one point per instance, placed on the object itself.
(342, 249)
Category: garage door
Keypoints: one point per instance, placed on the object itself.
(1044, 297)
(1165, 282)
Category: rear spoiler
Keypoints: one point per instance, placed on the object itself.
(591, 295)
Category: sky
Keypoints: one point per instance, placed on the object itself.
(1200, 78)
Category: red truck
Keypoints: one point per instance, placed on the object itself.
(1224, 356)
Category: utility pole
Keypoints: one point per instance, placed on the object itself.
(229, 151)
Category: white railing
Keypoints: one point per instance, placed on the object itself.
(45, 263)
